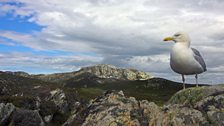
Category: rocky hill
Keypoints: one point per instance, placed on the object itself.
(98, 73)
(33, 102)
(109, 71)
(19, 73)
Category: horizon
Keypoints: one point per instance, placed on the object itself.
(64, 36)
(188, 82)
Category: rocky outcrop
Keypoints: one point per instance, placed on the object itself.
(10, 115)
(22, 117)
(19, 73)
(6, 111)
(27, 96)
(109, 71)
(97, 72)
(194, 106)
(208, 100)
(202, 106)
(59, 99)
(192, 96)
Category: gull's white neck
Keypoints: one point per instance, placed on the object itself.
(183, 44)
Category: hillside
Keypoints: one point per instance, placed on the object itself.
(90, 82)
(156, 89)
(52, 99)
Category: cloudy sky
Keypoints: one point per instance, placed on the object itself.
(47, 36)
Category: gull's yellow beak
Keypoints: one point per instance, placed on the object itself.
(168, 39)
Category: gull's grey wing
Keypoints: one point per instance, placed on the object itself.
(199, 58)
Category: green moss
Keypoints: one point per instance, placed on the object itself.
(59, 118)
(47, 108)
(222, 85)
(188, 96)
(89, 93)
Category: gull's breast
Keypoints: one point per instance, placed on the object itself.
(182, 61)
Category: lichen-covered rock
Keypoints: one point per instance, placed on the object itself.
(184, 116)
(6, 111)
(109, 71)
(208, 100)
(48, 118)
(22, 117)
(191, 96)
(59, 98)
(114, 109)
(213, 106)
(216, 118)
(211, 103)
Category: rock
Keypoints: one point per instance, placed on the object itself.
(115, 109)
(59, 98)
(6, 111)
(183, 116)
(47, 110)
(19, 73)
(109, 71)
(110, 110)
(211, 103)
(23, 117)
(191, 96)
(208, 100)
(185, 108)
(213, 106)
(98, 72)
(48, 118)
(216, 118)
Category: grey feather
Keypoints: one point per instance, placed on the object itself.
(199, 58)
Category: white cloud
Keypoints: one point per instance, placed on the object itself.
(124, 33)
(20, 61)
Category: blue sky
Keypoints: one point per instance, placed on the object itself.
(59, 36)
(10, 23)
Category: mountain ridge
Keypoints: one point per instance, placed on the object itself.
(101, 71)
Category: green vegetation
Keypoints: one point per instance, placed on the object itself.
(30, 93)
(26, 102)
(89, 93)
(188, 97)
(156, 90)
(47, 108)
(59, 118)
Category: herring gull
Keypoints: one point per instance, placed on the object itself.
(184, 59)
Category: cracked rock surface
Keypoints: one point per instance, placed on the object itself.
(203, 106)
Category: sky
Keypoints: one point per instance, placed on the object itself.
(48, 36)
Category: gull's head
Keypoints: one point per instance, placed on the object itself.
(178, 37)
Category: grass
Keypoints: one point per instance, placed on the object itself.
(27, 102)
(89, 93)
(155, 90)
